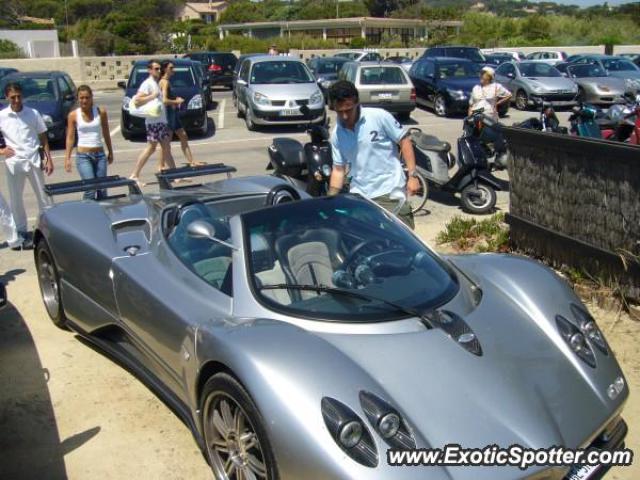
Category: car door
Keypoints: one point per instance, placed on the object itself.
(243, 83)
(506, 76)
(67, 96)
(430, 81)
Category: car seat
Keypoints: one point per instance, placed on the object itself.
(309, 257)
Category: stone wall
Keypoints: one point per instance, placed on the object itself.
(576, 201)
(103, 73)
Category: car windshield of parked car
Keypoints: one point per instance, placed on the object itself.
(330, 67)
(619, 66)
(337, 251)
(469, 53)
(35, 89)
(382, 76)
(273, 72)
(458, 70)
(182, 77)
(585, 71)
(537, 69)
(349, 55)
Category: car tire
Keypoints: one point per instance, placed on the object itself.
(223, 399)
(239, 111)
(478, 200)
(248, 119)
(440, 106)
(581, 95)
(522, 100)
(49, 282)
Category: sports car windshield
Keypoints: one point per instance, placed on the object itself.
(341, 259)
(619, 66)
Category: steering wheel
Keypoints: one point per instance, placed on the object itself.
(353, 254)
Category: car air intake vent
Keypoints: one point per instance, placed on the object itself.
(278, 103)
(454, 326)
(302, 102)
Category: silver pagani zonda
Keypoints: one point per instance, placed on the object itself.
(301, 338)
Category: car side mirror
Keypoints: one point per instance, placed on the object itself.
(241, 82)
(510, 75)
(122, 84)
(202, 230)
(69, 97)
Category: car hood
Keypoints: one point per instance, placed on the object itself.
(551, 83)
(613, 83)
(464, 84)
(286, 91)
(526, 388)
(45, 108)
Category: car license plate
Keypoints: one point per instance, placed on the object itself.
(289, 112)
(581, 472)
(385, 95)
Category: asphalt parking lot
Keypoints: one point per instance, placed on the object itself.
(66, 411)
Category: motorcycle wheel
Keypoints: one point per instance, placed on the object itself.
(418, 199)
(478, 200)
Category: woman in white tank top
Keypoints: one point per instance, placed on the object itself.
(92, 125)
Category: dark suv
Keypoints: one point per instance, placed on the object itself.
(186, 83)
(53, 94)
(470, 53)
(218, 65)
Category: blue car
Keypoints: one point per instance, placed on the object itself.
(444, 84)
(51, 93)
(186, 82)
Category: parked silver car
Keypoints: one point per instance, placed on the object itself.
(596, 85)
(360, 55)
(382, 85)
(270, 91)
(534, 82)
(550, 58)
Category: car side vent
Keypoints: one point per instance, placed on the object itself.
(457, 329)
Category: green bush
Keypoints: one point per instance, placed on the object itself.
(8, 49)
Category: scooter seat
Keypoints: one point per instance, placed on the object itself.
(430, 142)
(290, 150)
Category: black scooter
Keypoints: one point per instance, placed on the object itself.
(546, 122)
(305, 167)
(473, 179)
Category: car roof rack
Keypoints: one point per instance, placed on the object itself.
(99, 183)
(167, 176)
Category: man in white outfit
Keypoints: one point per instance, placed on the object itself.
(24, 131)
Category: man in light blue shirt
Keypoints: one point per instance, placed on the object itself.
(367, 140)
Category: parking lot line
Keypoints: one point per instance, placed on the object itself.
(114, 131)
(221, 106)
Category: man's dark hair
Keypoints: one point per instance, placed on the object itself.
(151, 62)
(343, 90)
(15, 86)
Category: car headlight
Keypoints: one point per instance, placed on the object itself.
(195, 103)
(602, 88)
(48, 121)
(590, 329)
(632, 84)
(576, 341)
(349, 432)
(125, 103)
(316, 98)
(325, 84)
(261, 99)
(387, 421)
(456, 94)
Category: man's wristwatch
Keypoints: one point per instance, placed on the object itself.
(412, 173)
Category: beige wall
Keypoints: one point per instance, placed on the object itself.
(103, 73)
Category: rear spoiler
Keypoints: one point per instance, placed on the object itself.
(165, 177)
(100, 183)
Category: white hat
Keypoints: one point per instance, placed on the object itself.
(489, 71)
